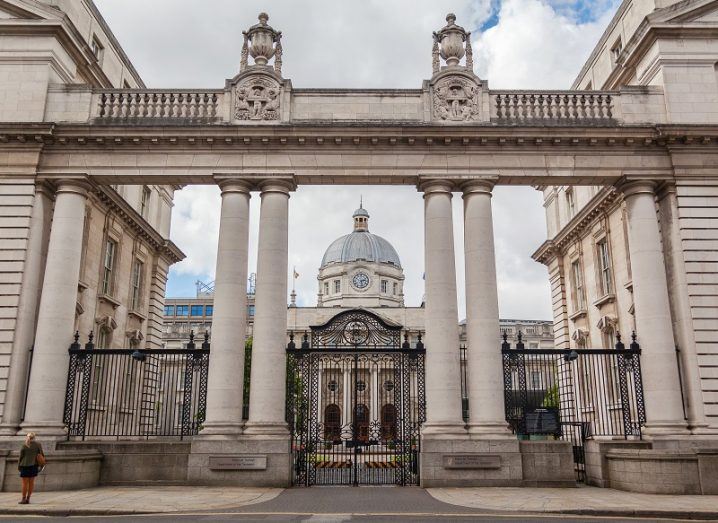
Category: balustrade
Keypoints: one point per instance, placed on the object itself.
(552, 107)
(133, 104)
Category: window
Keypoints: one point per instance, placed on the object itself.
(250, 309)
(384, 285)
(182, 310)
(604, 267)
(208, 310)
(169, 310)
(570, 203)
(616, 50)
(109, 265)
(396, 287)
(337, 286)
(136, 285)
(97, 48)
(196, 310)
(145, 201)
(579, 293)
(326, 288)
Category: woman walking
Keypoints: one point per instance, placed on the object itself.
(32, 458)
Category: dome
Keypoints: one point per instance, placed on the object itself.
(361, 245)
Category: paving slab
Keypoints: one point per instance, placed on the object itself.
(581, 501)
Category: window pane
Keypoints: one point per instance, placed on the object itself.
(209, 310)
(182, 310)
(169, 310)
(196, 310)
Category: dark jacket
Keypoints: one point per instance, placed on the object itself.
(28, 454)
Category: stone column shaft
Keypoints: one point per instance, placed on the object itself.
(483, 355)
(32, 276)
(267, 399)
(229, 320)
(443, 368)
(56, 317)
(664, 408)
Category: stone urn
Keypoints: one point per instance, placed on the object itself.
(451, 40)
(262, 38)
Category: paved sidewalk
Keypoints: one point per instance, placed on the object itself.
(579, 501)
(362, 500)
(136, 500)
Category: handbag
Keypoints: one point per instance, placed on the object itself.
(40, 460)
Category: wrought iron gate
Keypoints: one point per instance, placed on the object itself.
(575, 394)
(355, 403)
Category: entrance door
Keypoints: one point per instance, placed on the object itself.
(355, 411)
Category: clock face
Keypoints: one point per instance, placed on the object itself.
(360, 280)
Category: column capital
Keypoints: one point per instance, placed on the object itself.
(230, 184)
(79, 183)
(283, 185)
(478, 186)
(631, 187)
(436, 186)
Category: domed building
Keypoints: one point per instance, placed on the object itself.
(361, 269)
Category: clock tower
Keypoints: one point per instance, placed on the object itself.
(361, 269)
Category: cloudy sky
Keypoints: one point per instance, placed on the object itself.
(518, 44)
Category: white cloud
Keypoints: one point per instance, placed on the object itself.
(373, 43)
(533, 46)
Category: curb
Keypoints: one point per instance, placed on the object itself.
(659, 514)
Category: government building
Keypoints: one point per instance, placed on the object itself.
(249, 389)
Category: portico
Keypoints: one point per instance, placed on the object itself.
(454, 135)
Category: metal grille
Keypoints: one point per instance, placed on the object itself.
(354, 411)
(580, 393)
(126, 393)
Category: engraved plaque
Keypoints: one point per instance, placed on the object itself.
(240, 462)
(472, 461)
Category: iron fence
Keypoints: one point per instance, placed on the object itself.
(127, 393)
(574, 394)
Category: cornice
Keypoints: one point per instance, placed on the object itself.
(577, 227)
(121, 208)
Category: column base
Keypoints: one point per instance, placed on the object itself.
(221, 429)
(665, 430)
(490, 431)
(256, 428)
(44, 430)
(244, 461)
(9, 430)
(444, 431)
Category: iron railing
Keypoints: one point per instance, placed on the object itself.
(127, 393)
(574, 394)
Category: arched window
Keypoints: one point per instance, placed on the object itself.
(332, 422)
(388, 422)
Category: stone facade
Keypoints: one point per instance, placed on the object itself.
(588, 251)
(125, 251)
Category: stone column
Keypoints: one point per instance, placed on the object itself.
(483, 355)
(33, 272)
(267, 400)
(229, 320)
(56, 317)
(443, 374)
(664, 408)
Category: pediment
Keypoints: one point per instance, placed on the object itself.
(696, 11)
(26, 10)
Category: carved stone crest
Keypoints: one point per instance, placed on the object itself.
(456, 99)
(258, 98)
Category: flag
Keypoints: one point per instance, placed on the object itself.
(296, 274)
